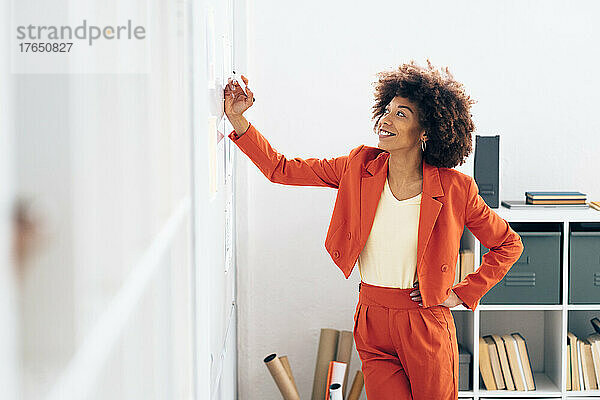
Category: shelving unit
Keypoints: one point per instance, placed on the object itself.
(544, 326)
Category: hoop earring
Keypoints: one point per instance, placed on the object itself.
(423, 145)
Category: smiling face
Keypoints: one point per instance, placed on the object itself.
(401, 119)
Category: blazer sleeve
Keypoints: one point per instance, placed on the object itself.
(504, 244)
(296, 171)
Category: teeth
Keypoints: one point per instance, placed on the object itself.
(382, 132)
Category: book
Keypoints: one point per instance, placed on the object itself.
(515, 362)
(580, 366)
(525, 364)
(589, 375)
(485, 365)
(559, 202)
(467, 263)
(495, 362)
(594, 340)
(568, 367)
(522, 205)
(555, 195)
(510, 384)
(572, 342)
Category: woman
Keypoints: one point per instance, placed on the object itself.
(400, 212)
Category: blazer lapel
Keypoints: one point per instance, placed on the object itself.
(371, 186)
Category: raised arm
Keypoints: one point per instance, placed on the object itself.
(275, 166)
(494, 233)
(296, 171)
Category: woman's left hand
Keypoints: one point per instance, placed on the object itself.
(452, 301)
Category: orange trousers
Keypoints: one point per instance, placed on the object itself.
(407, 351)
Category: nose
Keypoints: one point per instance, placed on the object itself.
(383, 121)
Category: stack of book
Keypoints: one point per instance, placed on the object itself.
(564, 200)
(583, 360)
(555, 198)
(504, 362)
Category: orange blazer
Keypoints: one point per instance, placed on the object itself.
(450, 200)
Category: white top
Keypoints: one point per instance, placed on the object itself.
(389, 257)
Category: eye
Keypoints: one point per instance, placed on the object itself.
(386, 111)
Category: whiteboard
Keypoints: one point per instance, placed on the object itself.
(217, 263)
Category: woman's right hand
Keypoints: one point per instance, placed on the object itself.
(236, 101)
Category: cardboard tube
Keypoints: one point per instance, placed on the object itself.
(344, 354)
(357, 386)
(288, 369)
(325, 354)
(335, 392)
(281, 378)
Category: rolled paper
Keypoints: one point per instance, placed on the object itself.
(357, 386)
(344, 354)
(281, 378)
(288, 369)
(325, 354)
(336, 373)
(335, 392)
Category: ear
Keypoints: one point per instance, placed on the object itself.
(424, 136)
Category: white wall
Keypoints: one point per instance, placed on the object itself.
(531, 66)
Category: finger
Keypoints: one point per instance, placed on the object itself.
(237, 97)
(245, 80)
(238, 88)
(250, 94)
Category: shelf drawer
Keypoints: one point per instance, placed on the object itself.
(584, 267)
(535, 277)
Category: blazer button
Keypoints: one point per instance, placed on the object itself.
(336, 254)
(444, 267)
(349, 235)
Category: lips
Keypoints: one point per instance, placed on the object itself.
(385, 136)
(382, 129)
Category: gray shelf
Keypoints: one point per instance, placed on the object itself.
(543, 325)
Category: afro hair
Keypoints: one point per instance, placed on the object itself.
(443, 109)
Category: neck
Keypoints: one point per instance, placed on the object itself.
(405, 166)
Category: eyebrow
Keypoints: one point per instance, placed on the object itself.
(405, 107)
